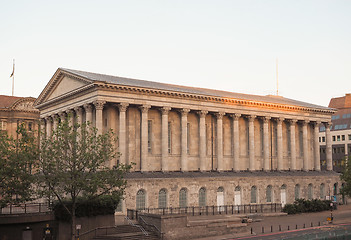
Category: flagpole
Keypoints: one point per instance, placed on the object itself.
(13, 78)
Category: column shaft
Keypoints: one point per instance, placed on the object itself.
(184, 142)
(266, 162)
(220, 164)
(202, 144)
(329, 147)
(293, 145)
(280, 163)
(317, 158)
(122, 140)
(252, 165)
(305, 147)
(164, 140)
(88, 113)
(99, 106)
(48, 121)
(144, 137)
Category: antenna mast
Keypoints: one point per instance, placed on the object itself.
(276, 62)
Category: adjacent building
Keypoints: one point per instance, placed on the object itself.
(340, 133)
(15, 111)
(195, 146)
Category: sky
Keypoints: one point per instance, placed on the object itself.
(218, 44)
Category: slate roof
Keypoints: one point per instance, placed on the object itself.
(8, 101)
(191, 90)
(214, 174)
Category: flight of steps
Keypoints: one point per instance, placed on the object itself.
(127, 232)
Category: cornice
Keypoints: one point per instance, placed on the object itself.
(232, 101)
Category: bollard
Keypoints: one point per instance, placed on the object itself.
(288, 227)
(271, 228)
(262, 229)
(311, 224)
(304, 225)
(280, 228)
(296, 226)
(251, 230)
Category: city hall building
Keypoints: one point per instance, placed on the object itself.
(197, 147)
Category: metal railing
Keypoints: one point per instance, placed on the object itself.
(209, 210)
(152, 227)
(26, 208)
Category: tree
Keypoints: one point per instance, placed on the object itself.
(346, 177)
(73, 163)
(17, 158)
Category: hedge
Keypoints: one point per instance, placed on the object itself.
(86, 207)
(303, 205)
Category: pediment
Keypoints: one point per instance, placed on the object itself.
(25, 105)
(65, 85)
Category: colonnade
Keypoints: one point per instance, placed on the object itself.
(49, 123)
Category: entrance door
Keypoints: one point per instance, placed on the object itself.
(237, 197)
(220, 199)
(283, 195)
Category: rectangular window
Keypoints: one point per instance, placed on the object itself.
(338, 138)
(169, 137)
(349, 136)
(334, 138)
(343, 137)
(3, 125)
(319, 139)
(188, 137)
(149, 135)
(323, 139)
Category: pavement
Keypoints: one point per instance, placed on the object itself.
(297, 223)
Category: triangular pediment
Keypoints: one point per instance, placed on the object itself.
(65, 85)
(61, 84)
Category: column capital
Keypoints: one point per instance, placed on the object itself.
(42, 120)
(55, 117)
(327, 124)
(316, 123)
(88, 107)
(265, 119)
(202, 113)
(145, 108)
(62, 114)
(251, 118)
(305, 122)
(292, 121)
(165, 110)
(219, 115)
(69, 112)
(48, 119)
(279, 120)
(78, 109)
(122, 107)
(184, 111)
(235, 116)
(99, 105)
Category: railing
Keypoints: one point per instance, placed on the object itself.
(26, 208)
(152, 227)
(209, 210)
(97, 231)
(138, 226)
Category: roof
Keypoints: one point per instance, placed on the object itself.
(8, 101)
(96, 77)
(341, 102)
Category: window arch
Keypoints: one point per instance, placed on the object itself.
(162, 198)
(310, 191)
(141, 199)
(202, 197)
(253, 194)
(237, 188)
(297, 191)
(322, 191)
(183, 198)
(269, 193)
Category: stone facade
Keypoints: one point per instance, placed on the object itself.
(196, 137)
(15, 111)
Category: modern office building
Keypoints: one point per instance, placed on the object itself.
(340, 133)
(195, 146)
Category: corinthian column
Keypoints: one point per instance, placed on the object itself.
(202, 146)
(236, 146)
(99, 106)
(305, 146)
(220, 164)
(70, 117)
(184, 153)
(144, 137)
(329, 147)
(164, 140)
(252, 165)
(88, 113)
(317, 157)
(122, 140)
(48, 121)
(293, 144)
(280, 162)
(55, 120)
(266, 162)
(79, 113)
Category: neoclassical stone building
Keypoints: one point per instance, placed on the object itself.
(195, 146)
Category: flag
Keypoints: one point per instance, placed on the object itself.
(13, 70)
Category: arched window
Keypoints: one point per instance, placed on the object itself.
(202, 197)
(310, 191)
(335, 189)
(237, 188)
(237, 195)
(297, 191)
(253, 194)
(322, 191)
(162, 198)
(269, 193)
(183, 201)
(140, 200)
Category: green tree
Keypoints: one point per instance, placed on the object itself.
(346, 177)
(74, 164)
(17, 158)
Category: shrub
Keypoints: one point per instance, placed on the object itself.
(87, 207)
(303, 205)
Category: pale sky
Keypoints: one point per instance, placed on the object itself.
(219, 44)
